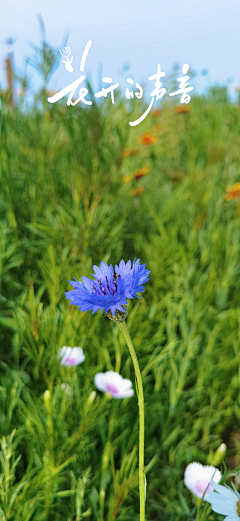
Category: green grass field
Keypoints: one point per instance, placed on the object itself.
(64, 206)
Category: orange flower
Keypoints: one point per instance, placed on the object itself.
(147, 138)
(156, 113)
(127, 178)
(141, 172)
(233, 192)
(129, 152)
(136, 191)
(182, 109)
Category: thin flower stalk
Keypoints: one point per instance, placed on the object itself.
(142, 479)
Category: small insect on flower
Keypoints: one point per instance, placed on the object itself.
(110, 290)
(197, 478)
(225, 502)
(147, 138)
(113, 383)
(233, 192)
(71, 356)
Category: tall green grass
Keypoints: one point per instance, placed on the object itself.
(64, 207)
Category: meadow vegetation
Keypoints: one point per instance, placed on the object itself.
(72, 193)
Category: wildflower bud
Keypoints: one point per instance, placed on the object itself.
(29, 426)
(219, 454)
(46, 399)
(222, 449)
(102, 494)
(119, 315)
(105, 462)
(91, 398)
(67, 389)
(108, 396)
(13, 392)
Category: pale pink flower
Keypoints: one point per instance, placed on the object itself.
(113, 383)
(71, 356)
(197, 478)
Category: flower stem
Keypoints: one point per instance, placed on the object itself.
(142, 479)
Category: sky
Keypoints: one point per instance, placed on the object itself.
(205, 34)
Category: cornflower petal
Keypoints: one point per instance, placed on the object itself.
(107, 290)
(123, 269)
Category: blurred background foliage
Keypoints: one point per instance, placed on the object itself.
(72, 193)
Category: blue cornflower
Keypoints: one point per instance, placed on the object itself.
(109, 291)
